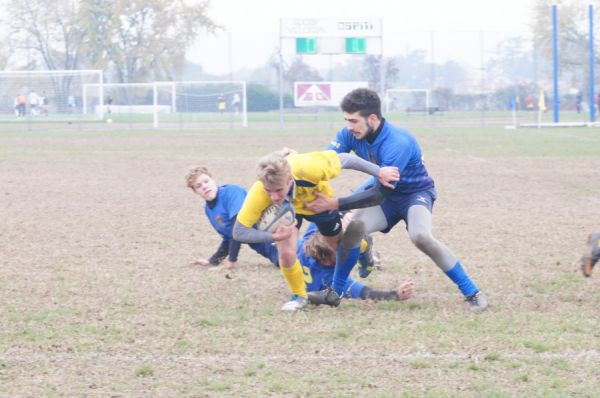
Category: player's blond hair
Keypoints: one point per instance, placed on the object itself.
(273, 169)
(193, 173)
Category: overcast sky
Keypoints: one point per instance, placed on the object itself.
(253, 25)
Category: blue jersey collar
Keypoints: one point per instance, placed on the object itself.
(373, 136)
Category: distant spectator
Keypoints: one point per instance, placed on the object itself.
(43, 103)
(529, 102)
(235, 103)
(578, 101)
(71, 102)
(20, 105)
(32, 98)
(221, 104)
(109, 101)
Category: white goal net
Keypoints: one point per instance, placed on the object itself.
(52, 95)
(407, 100)
(197, 103)
(185, 104)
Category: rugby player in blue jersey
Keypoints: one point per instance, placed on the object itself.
(318, 262)
(375, 139)
(222, 205)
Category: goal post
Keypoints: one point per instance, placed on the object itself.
(205, 102)
(178, 104)
(130, 102)
(55, 95)
(407, 99)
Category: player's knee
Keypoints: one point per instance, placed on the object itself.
(353, 234)
(287, 256)
(422, 240)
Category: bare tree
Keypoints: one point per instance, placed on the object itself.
(137, 39)
(45, 34)
(143, 39)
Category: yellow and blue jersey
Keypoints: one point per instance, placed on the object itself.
(310, 171)
(318, 276)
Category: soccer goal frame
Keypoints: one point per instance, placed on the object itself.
(389, 91)
(243, 98)
(104, 108)
(172, 87)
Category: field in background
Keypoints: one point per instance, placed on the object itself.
(97, 299)
(298, 118)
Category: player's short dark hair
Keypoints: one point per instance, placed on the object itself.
(362, 100)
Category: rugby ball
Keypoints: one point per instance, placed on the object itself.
(272, 215)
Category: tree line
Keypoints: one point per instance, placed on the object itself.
(146, 40)
(131, 40)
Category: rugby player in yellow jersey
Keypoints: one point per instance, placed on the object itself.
(293, 177)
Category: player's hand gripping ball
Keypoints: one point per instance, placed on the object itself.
(272, 215)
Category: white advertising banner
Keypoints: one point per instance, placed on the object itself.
(331, 27)
(323, 93)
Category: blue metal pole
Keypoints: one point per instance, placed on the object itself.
(591, 64)
(555, 62)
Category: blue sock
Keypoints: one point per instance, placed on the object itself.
(345, 261)
(462, 280)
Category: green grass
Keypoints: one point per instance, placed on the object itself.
(98, 299)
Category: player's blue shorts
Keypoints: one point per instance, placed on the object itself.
(395, 207)
(328, 223)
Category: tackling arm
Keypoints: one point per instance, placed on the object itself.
(371, 197)
(353, 162)
(386, 175)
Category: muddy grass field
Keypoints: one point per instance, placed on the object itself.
(97, 298)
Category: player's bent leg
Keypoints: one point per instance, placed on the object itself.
(292, 272)
(373, 218)
(419, 230)
(347, 254)
(295, 279)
